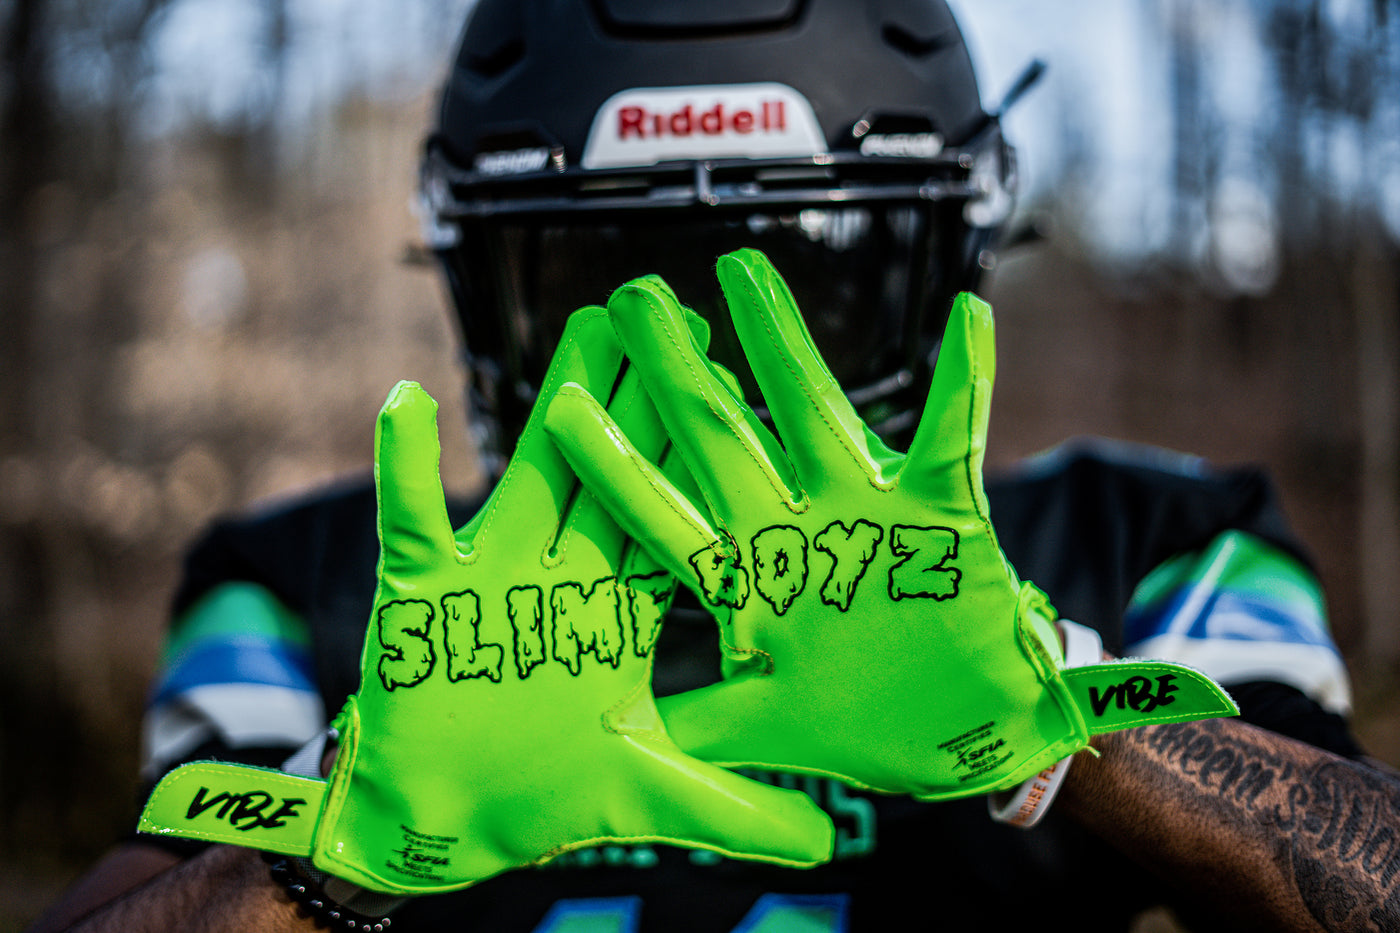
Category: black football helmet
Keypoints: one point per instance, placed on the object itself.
(582, 143)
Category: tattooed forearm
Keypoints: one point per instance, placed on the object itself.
(1237, 770)
(1255, 822)
(221, 889)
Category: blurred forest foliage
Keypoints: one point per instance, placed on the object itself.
(206, 294)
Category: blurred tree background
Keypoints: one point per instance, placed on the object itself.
(210, 276)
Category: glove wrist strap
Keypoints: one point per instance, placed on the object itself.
(256, 808)
(1025, 806)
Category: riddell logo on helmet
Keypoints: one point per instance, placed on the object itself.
(640, 123)
(644, 126)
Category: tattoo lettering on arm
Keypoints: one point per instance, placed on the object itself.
(1252, 821)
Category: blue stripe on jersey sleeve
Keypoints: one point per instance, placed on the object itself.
(234, 660)
(1239, 588)
(1225, 615)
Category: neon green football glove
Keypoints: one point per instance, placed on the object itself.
(505, 712)
(872, 628)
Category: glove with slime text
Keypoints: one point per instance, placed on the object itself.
(872, 629)
(504, 713)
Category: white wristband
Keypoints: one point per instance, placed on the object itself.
(1026, 805)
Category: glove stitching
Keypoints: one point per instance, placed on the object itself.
(493, 508)
(709, 402)
(672, 840)
(741, 654)
(817, 402)
(617, 537)
(338, 793)
(972, 480)
(560, 543)
(650, 471)
(637, 689)
(707, 534)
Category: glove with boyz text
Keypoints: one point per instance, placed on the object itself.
(873, 630)
(505, 712)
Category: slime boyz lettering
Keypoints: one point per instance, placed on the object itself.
(585, 619)
(780, 561)
(595, 618)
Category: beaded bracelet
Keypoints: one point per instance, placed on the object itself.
(308, 896)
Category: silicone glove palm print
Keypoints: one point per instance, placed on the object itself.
(504, 713)
(872, 628)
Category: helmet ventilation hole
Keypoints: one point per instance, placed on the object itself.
(901, 39)
(499, 60)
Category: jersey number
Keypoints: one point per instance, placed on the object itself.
(771, 913)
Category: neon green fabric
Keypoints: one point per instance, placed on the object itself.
(505, 712)
(873, 631)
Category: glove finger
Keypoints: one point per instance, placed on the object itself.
(414, 529)
(636, 419)
(630, 487)
(951, 439)
(732, 722)
(699, 805)
(536, 489)
(719, 436)
(817, 424)
(648, 589)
